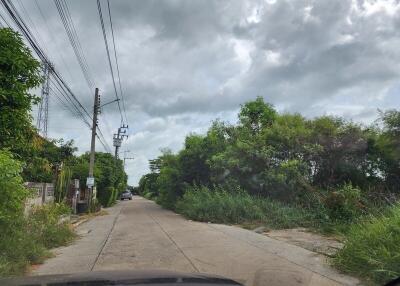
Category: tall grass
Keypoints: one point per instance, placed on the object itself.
(372, 248)
(221, 206)
(62, 184)
(31, 238)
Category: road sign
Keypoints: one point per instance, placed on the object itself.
(90, 181)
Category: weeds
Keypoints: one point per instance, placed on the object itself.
(221, 206)
(372, 248)
(31, 237)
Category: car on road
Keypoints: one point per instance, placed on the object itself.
(127, 195)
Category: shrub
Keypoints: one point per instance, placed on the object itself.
(372, 248)
(149, 195)
(344, 203)
(95, 206)
(108, 196)
(32, 237)
(12, 193)
(23, 240)
(43, 224)
(237, 206)
(279, 215)
(202, 204)
(14, 246)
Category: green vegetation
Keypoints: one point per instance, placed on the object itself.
(372, 248)
(284, 170)
(44, 160)
(25, 238)
(221, 206)
(26, 156)
(111, 179)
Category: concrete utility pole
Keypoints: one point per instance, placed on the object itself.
(127, 158)
(90, 179)
(117, 139)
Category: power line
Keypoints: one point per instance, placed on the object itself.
(69, 26)
(5, 21)
(52, 38)
(56, 79)
(15, 16)
(116, 60)
(32, 24)
(108, 56)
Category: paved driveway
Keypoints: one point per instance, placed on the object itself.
(138, 234)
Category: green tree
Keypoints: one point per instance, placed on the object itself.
(19, 74)
(12, 193)
(256, 115)
(110, 177)
(387, 148)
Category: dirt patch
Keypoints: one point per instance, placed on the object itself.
(312, 241)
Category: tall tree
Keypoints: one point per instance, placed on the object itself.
(19, 74)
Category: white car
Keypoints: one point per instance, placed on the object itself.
(127, 195)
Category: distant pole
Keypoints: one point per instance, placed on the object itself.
(117, 139)
(127, 158)
(90, 180)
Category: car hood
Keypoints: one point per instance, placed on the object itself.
(130, 277)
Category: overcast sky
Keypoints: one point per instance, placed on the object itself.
(185, 63)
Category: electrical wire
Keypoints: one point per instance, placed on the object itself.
(116, 60)
(69, 27)
(55, 77)
(108, 57)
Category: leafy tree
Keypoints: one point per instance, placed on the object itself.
(169, 183)
(256, 115)
(19, 74)
(110, 177)
(325, 163)
(12, 193)
(387, 147)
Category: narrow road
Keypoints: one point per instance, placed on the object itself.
(139, 234)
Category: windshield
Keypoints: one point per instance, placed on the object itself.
(256, 142)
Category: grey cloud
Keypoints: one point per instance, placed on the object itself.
(184, 63)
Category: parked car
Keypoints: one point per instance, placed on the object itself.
(127, 195)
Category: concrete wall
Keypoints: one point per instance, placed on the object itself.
(40, 194)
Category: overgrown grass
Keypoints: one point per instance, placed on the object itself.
(372, 248)
(202, 204)
(31, 238)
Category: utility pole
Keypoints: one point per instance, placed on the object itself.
(117, 139)
(90, 179)
(43, 111)
(127, 158)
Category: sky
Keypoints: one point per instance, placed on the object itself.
(186, 63)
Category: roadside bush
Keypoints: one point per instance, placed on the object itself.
(108, 196)
(218, 205)
(12, 193)
(372, 248)
(344, 204)
(95, 206)
(149, 195)
(24, 239)
(14, 248)
(278, 215)
(43, 224)
(32, 236)
(237, 206)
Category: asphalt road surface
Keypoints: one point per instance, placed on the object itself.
(139, 234)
